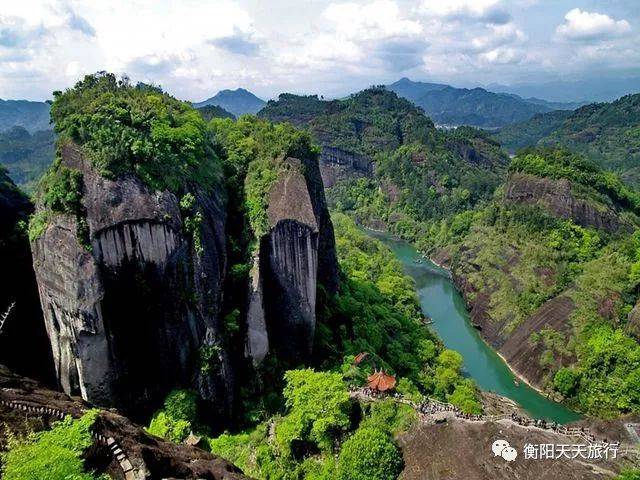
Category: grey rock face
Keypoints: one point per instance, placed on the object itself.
(556, 196)
(257, 336)
(337, 164)
(293, 265)
(633, 321)
(296, 254)
(128, 318)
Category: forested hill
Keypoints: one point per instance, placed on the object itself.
(458, 167)
(525, 134)
(367, 122)
(26, 155)
(607, 133)
(478, 107)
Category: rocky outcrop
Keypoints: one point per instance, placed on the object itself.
(133, 313)
(462, 450)
(633, 322)
(556, 196)
(337, 156)
(295, 258)
(23, 340)
(524, 356)
(337, 164)
(27, 406)
(512, 342)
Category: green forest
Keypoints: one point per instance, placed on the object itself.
(557, 222)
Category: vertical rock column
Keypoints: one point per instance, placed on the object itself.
(286, 269)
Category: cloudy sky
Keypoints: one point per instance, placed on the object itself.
(193, 48)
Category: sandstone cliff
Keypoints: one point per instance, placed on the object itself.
(294, 259)
(557, 197)
(513, 343)
(337, 164)
(133, 313)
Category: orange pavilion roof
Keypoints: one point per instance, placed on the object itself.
(381, 381)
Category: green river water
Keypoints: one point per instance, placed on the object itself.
(442, 303)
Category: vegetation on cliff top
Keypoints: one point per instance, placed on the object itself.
(559, 163)
(124, 129)
(253, 152)
(136, 129)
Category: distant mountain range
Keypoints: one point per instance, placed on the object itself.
(447, 105)
(33, 116)
(603, 89)
(607, 133)
(237, 102)
(26, 155)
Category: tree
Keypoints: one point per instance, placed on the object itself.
(566, 381)
(369, 454)
(319, 406)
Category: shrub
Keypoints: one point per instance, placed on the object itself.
(465, 397)
(178, 417)
(369, 454)
(55, 454)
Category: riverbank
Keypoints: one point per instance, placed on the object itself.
(442, 302)
(443, 265)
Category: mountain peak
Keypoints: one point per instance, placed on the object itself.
(239, 101)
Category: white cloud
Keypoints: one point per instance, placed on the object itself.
(588, 26)
(503, 56)
(499, 35)
(376, 20)
(487, 11)
(371, 37)
(193, 48)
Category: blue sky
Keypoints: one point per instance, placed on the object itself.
(195, 48)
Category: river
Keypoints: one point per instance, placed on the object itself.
(445, 306)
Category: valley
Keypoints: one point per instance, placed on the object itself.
(445, 308)
(228, 251)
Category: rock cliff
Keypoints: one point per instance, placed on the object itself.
(23, 340)
(557, 197)
(295, 258)
(513, 343)
(27, 406)
(132, 310)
